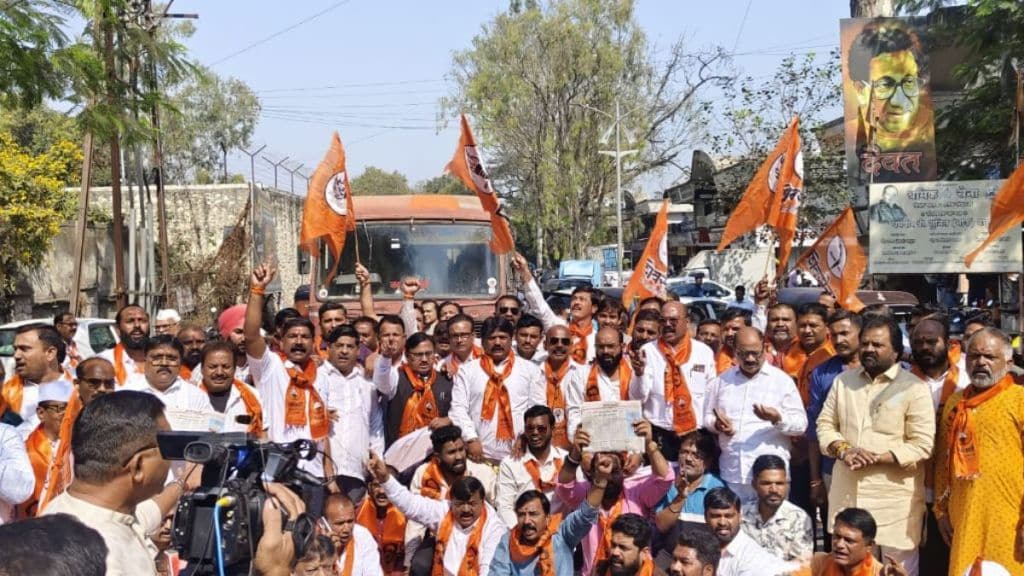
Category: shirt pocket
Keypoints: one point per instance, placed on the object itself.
(889, 419)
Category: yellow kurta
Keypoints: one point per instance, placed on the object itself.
(892, 413)
(985, 511)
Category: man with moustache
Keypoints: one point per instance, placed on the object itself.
(491, 394)
(42, 443)
(509, 307)
(417, 395)
(646, 328)
(610, 314)
(698, 467)
(784, 351)
(430, 318)
(740, 554)
(733, 319)
(38, 353)
(468, 529)
(391, 332)
(562, 378)
(979, 463)
(129, 355)
(192, 339)
(844, 332)
(696, 553)
(779, 526)
(357, 550)
(582, 307)
(709, 331)
(608, 377)
(386, 524)
(463, 347)
(533, 547)
(536, 469)
(237, 401)
(230, 325)
(853, 540)
(67, 325)
(163, 380)
(294, 397)
(755, 409)
(629, 549)
(878, 421)
(529, 334)
(670, 378)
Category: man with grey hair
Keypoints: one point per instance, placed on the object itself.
(979, 459)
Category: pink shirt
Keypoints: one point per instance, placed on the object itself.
(641, 495)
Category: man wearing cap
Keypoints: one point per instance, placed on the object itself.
(41, 444)
(167, 322)
(301, 300)
(230, 325)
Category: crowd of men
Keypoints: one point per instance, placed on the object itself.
(775, 440)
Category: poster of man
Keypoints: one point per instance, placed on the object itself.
(887, 210)
(888, 109)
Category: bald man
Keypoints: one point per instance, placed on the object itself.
(755, 409)
(358, 550)
(607, 378)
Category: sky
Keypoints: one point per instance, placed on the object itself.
(375, 69)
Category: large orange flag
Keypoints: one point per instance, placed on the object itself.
(837, 261)
(1006, 214)
(651, 270)
(468, 168)
(328, 212)
(783, 172)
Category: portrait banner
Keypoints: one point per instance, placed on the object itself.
(887, 103)
(929, 227)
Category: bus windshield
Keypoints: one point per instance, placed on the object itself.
(450, 259)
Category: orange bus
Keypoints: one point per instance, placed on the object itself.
(443, 240)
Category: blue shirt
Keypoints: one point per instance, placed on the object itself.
(821, 379)
(694, 503)
(572, 529)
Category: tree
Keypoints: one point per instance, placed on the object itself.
(974, 130)
(443, 184)
(376, 182)
(30, 38)
(533, 82)
(757, 113)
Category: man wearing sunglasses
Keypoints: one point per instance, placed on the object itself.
(509, 307)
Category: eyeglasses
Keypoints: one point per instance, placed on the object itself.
(507, 310)
(139, 451)
(885, 87)
(94, 383)
(163, 359)
(420, 355)
(460, 336)
(749, 353)
(57, 408)
(557, 341)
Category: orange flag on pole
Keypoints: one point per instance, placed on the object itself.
(651, 270)
(1006, 214)
(467, 167)
(782, 172)
(328, 212)
(837, 261)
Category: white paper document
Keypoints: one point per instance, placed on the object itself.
(194, 420)
(610, 426)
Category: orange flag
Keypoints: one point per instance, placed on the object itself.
(1006, 214)
(651, 270)
(837, 261)
(468, 168)
(328, 212)
(782, 171)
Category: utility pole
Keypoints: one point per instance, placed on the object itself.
(104, 13)
(618, 154)
(283, 160)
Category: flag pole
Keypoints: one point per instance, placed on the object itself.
(771, 254)
(1017, 116)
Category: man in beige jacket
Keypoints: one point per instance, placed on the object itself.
(879, 423)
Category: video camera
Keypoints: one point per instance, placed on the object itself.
(235, 466)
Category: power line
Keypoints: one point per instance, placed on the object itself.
(280, 32)
(743, 22)
(392, 93)
(338, 86)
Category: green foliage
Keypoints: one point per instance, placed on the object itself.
(974, 131)
(374, 181)
(531, 82)
(33, 202)
(443, 184)
(30, 38)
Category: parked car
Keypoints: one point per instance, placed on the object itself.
(94, 335)
(686, 290)
(705, 308)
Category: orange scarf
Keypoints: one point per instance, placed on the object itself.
(40, 454)
(12, 395)
(185, 373)
(389, 534)
(252, 406)
(948, 384)
(954, 352)
(470, 565)
(723, 360)
(539, 483)
(453, 363)
(605, 523)
(579, 334)
(496, 397)
(119, 371)
(433, 482)
(61, 472)
(865, 568)
(677, 391)
(350, 555)
(791, 360)
(814, 359)
(963, 449)
(593, 391)
(544, 550)
(556, 401)
(299, 412)
(421, 407)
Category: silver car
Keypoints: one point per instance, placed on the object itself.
(94, 335)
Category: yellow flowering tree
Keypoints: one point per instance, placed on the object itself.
(33, 202)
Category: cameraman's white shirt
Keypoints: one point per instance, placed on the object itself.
(270, 376)
(367, 557)
(360, 425)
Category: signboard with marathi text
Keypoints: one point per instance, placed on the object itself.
(928, 227)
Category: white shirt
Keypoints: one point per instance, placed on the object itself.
(236, 408)
(431, 512)
(577, 392)
(367, 557)
(17, 481)
(745, 304)
(963, 379)
(359, 426)
(270, 376)
(134, 373)
(241, 374)
(745, 557)
(514, 479)
(180, 395)
(129, 551)
(649, 388)
(535, 301)
(734, 394)
(526, 388)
